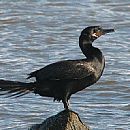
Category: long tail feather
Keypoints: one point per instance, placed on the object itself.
(15, 88)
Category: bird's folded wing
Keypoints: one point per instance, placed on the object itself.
(64, 70)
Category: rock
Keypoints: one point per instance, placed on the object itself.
(65, 120)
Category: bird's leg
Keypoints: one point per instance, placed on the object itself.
(65, 101)
(66, 104)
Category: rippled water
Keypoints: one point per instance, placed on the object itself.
(38, 32)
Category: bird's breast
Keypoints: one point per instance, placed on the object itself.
(98, 66)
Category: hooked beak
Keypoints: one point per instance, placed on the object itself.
(107, 31)
(103, 32)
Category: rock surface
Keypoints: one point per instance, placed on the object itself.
(65, 120)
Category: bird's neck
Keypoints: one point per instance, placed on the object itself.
(88, 50)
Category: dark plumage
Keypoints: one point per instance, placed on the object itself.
(64, 78)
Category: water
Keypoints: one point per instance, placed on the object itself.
(38, 32)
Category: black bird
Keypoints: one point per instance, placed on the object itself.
(64, 78)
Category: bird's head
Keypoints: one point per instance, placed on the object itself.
(93, 32)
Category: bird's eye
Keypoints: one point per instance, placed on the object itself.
(96, 30)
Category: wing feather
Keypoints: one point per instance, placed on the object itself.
(66, 70)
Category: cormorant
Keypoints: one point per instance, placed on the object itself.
(64, 78)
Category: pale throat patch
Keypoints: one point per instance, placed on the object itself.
(94, 35)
